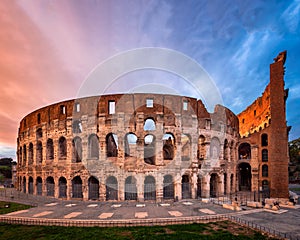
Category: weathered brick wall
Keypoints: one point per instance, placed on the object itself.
(267, 116)
(57, 121)
(257, 116)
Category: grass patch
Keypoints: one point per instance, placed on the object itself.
(222, 230)
(297, 189)
(7, 207)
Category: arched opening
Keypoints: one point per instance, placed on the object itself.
(39, 152)
(149, 125)
(225, 183)
(130, 188)
(20, 159)
(168, 189)
(24, 155)
(30, 153)
(199, 188)
(30, 185)
(111, 145)
(245, 151)
(93, 146)
(264, 155)
(168, 146)
(213, 184)
(201, 152)
(264, 170)
(50, 186)
(130, 144)
(149, 149)
(185, 187)
(39, 186)
(185, 147)
(76, 126)
(265, 185)
(111, 188)
(77, 187)
(231, 151)
(62, 185)
(226, 150)
(50, 149)
(76, 149)
(149, 188)
(231, 183)
(93, 184)
(39, 133)
(24, 184)
(62, 148)
(20, 184)
(244, 176)
(264, 140)
(214, 148)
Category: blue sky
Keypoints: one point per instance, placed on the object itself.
(50, 47)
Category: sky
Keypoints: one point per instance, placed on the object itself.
(49, 48)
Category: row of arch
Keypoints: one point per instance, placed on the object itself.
(112, 187)
(130, 141)
(245, 152)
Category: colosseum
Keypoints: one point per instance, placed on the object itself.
(158, 147)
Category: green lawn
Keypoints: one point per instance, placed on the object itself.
(7, 207)
(220, 230)
(297, 189)
(215, 230)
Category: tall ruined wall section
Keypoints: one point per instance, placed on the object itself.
(263, 127)
(257, 116)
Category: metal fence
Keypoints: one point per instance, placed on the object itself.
(35, 200)
(186, 190)
(168, 191)
(149, 191)
(264, 229)
(241, 197)
(11, 194)
(130, 191)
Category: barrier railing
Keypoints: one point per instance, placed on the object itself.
(261, 228)
(35, 200)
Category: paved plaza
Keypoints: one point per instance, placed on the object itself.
(287, 220)
(124, 210)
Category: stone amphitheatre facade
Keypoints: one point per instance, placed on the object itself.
(155, 147)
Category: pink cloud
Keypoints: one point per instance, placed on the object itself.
(31, 73)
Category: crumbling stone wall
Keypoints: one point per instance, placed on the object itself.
(263, 126)
(92, 157)
(155, 147)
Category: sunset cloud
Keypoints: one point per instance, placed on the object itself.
(48, 48)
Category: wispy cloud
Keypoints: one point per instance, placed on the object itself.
(294, 92)
(49, 47)
(291, 16)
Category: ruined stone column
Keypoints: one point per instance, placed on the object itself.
(177, 188)
(140, 189)
(69, 189)
(206, 186)
(121, 190)
(221, 184)
(102, 190)
(85, 189)
(159, 188)
(194, 185)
